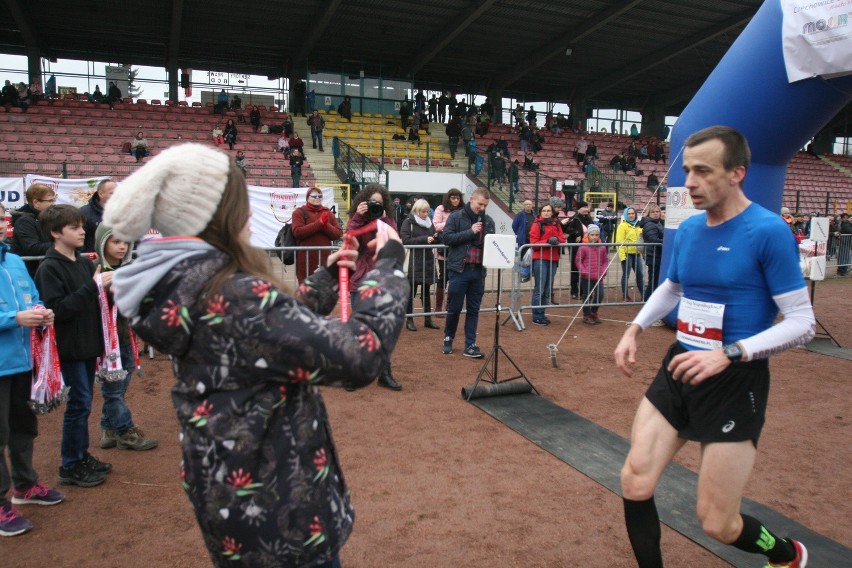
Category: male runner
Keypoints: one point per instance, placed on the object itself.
(732, 269)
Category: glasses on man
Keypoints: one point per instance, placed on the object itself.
(49, 200)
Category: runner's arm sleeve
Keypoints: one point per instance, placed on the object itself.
(797, 328)
(662, 301)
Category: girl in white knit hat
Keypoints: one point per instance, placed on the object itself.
(259, 464)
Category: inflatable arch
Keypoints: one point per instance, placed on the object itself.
(749, 91)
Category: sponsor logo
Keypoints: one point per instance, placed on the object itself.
(723, 249)
(824, 25)
(729, 425)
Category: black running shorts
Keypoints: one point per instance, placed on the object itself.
(728, 407)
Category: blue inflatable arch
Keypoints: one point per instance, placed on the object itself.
(749, 91)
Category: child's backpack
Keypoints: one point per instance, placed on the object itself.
(285, 239)
(125, 148)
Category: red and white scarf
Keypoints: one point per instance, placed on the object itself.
(109, 364)
(48, 390)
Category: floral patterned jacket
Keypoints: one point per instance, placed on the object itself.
(259, 462)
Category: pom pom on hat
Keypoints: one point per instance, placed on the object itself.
(177, 193)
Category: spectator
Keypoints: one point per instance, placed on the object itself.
(254, 118)
(237, 103)
(68, 284)
(547, 234)
(433, 109)
(424, 123)
(345, 108)
(417, 229)
(404, 112)
(467, 134)
(575, 225)
(443, 101)
(453, 131)
(240, 162)
(296, 161)
(634, 132)
(317, 124)
(529, 162)
(653, 181)
(522, 223)
(287, 127)
(221, 102)
(297, 143)
(592, 262)
(218, 138)
(35, 90)
(420, 102)
(230, 133)
(139, 147)
(299, 96)
(372, 203)
(18, 423)
(93, 211)
(464, 234)
(414, 135)
(113, 94)
(514, 178)
(525, 136)
(313, 225)
(28, 239)
(117, 426)
(844, 237)
(531, 117)
(9, 95)
(275, 416)
(580, 148)
(618, 163)
(452, 202)
(652, 235)
(503, 146)
(592, 150)
(626, 236)
(606, 221)
(23, 96)
(284, 145)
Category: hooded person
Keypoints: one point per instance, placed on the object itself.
(626, 237)
(117, 426)
(259, 464)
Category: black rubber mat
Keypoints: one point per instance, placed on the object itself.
(599, 454)
(824, 346)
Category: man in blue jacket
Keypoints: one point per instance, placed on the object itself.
(464, 234)
(522, 222)
(18, 426)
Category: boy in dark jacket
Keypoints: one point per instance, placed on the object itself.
(117, 426)
(67, 284)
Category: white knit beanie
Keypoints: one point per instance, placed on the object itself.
(177, 193)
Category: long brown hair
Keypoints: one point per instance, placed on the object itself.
(448, 205)
(224, 230)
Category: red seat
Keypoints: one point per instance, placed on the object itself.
(156, 102)
(194, 105)
(127, 100)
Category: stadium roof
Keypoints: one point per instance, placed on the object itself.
(613, 52)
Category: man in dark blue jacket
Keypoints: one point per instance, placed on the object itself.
(464, 234)
(94, 211)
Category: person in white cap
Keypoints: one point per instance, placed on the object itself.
(259, 463)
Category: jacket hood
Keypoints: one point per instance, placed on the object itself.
(102, 235)
(24, 211)
(95, 203)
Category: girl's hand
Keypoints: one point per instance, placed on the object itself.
(346, 255)
(362, 208)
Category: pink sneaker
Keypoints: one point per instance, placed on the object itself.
(38, 494)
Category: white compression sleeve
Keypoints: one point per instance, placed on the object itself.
(797, 327)
(662, 301)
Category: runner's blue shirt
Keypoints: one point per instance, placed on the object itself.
(740, 265)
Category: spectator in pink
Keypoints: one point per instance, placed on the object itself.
(592, 261)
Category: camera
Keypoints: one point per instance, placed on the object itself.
(375, 209)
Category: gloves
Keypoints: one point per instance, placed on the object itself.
(324, 217)
(553, 241)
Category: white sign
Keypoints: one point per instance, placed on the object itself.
(679, 207)
(238, 78)
(12, 192)
(328, 101)
(819, 229)
(499, 251)
(405, 164)
(816, 38)
(217, 78)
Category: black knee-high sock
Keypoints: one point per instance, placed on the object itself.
(643, 528)
(758, 539)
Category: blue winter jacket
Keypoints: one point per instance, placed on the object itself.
(17, 292)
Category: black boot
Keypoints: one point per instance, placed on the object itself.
(430, 324)
(409, 324)
(386, 380)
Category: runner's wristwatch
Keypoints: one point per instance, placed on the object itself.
(733, 351)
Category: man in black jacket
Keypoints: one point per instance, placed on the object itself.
(94, 211)
(574, 225)
(464, 234)
(28, 238)
(652, 234)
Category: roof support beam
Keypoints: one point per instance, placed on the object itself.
(559, 45)
(316, 31)
(27, 33)
(639, 66)
(174, 35)
(449, 33)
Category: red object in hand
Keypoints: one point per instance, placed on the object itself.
(91, 255)
(343, 272)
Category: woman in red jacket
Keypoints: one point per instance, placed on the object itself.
(313, 226)
(545, 234)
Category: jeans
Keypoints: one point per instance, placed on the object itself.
(426, 296)
(116, 415)
(634, 262)
(18, 430)
(542, 271)
(470, 284)
(453, 142)
(296, 177)
(590, 306)
(653, 277)
(316, 137)
(79, 377)
(516, 186)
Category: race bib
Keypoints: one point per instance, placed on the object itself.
(699, 324)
